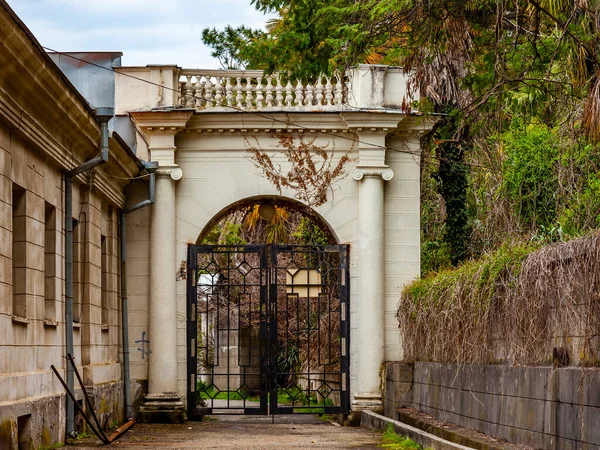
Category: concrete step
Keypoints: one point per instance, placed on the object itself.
(374, 421)
(453, 433)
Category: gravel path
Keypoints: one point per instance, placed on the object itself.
(244, 432)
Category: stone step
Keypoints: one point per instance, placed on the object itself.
(452, 433)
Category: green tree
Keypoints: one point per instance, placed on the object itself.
(481, 63)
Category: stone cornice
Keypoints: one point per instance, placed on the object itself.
(262, 121)
(18, 119)
(120, 163)
(417, 124)
(183, 120)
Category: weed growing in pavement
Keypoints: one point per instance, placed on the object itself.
(394, 441)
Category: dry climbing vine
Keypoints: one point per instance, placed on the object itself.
(312, 173)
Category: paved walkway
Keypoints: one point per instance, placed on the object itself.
(244, 432)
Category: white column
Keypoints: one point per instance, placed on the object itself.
(162, 367)
(163, 403)
(371, 277)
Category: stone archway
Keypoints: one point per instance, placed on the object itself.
(274, 200)
(204, 167)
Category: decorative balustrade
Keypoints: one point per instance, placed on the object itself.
(227, 90)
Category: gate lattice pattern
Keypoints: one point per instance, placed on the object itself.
(268, 329)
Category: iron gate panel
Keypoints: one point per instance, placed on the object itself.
(268, 329)
(227, 304)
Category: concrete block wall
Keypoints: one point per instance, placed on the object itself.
(397, 387)
(541, 407)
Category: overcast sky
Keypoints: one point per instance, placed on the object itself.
(146, 31)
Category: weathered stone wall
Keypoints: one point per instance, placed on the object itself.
(47, 129)
(40, 423)
(108, 400)
(537, 406)
(44, 418)
(32, 301)
(397, 387)
(32, 335)
(32, 314)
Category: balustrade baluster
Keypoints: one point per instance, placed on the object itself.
(270, 91)
(250, 90)
(198, 93)
(299, 94)
(189, 92)
(347, 86)
(260, 99)
(229, 92)
(208, 93)
(279, 92)
(328, 92)
(239, 98)
(337, 90)
(289, 97)
(309, 94)
(319, 91)
(219, 92)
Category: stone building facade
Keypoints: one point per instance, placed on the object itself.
(46, 129)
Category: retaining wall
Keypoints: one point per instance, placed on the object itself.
(537, 406)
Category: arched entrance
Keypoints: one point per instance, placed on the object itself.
(204, 154)
(268, 313)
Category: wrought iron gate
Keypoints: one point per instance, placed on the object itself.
(268, 329)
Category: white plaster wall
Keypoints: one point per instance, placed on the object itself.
(138, 280)
(402, 253)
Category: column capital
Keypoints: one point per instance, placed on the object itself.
(384, 172)
(172, 171)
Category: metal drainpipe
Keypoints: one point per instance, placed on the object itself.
(104, 115)
(151, 168)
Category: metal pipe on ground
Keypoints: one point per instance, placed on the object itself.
(86, 396)
(71, 395)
